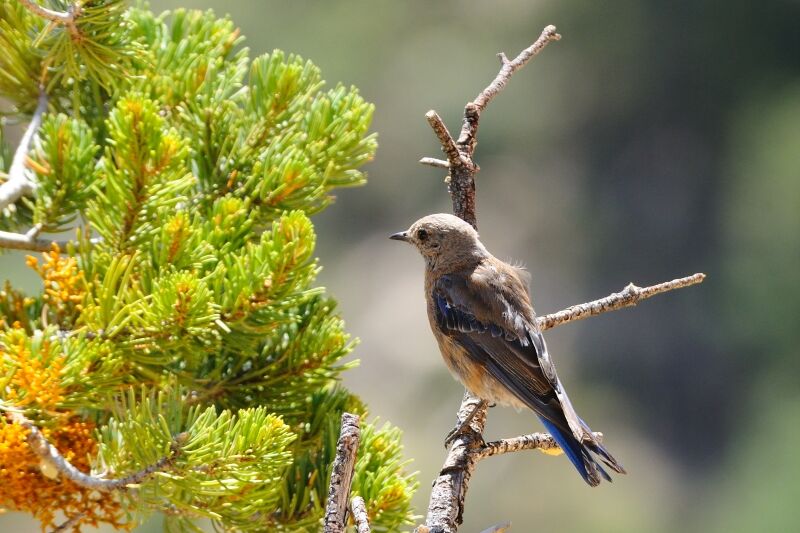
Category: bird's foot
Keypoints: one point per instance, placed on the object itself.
(463, 427)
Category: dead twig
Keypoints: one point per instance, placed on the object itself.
(628, 297)
(360, 516)
(342, 474)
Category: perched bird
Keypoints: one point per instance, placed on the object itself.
(481, 315)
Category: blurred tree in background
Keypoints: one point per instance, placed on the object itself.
(179, 339)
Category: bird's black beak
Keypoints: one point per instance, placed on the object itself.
(402, 236)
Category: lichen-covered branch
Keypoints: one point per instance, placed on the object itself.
(342, 474)
(18, 183)
(532, 441)
(360, 516)
(50, 455)
(629, 296)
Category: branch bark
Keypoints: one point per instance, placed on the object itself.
(50, 455)
(342, 474)
(360, 516)
(532, 441)
(18, 183)
(628, 297)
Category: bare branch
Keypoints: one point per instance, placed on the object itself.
(630, 296)
(469, 126)
(533, 441)
(342, 474)
(433, 162)
(510, 67)
(448, 144)
(360, 516)
(18, 183)
(50, 455)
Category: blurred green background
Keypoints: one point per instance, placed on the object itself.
(656, 139)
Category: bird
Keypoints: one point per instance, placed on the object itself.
(481, 315)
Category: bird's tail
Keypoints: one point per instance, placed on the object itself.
(581, 454)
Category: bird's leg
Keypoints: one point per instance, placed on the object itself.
(461, 427)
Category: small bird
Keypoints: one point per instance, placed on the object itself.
(481, 315)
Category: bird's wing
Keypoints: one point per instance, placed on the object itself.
(495, 329)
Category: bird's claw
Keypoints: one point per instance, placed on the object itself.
(452, 435)
(464, 426)
(458, 431)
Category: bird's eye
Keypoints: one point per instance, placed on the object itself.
(422, 234)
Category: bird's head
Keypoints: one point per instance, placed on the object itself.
(443, 240)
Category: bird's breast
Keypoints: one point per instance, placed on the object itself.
(473, 374)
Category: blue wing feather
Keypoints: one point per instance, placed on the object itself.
(515, 361)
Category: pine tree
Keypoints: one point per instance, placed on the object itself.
(179, 352)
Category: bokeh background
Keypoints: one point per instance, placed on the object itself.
(656, 139)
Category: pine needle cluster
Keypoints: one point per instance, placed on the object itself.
(181, 327)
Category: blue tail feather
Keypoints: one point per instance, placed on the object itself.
(578, 454)
(570, 446)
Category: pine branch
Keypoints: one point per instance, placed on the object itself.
(49, 454)
(18, 183)
(342, 474)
